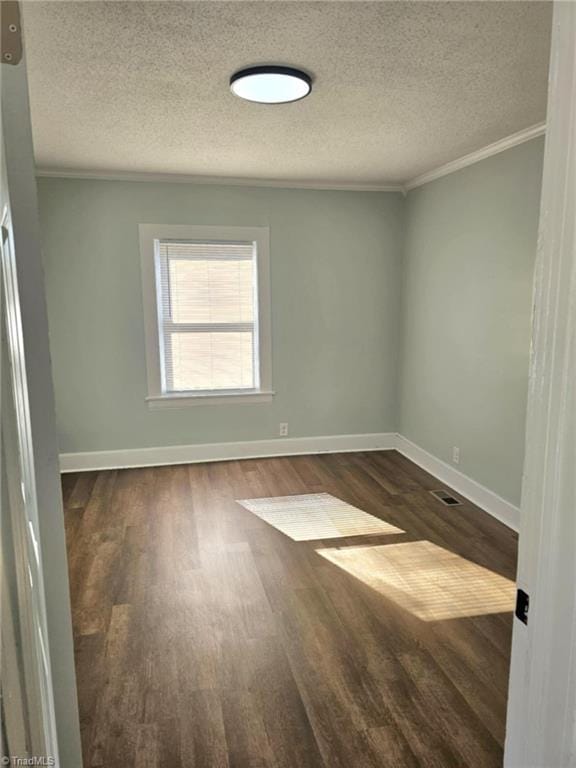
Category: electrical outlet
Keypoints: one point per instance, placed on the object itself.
(456, 455)
(283, 429)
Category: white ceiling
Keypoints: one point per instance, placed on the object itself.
(399, 87)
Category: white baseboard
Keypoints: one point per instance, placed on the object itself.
(249, 449)
(478, 494)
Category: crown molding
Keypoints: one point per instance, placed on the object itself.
(480, 154)
(177, 178)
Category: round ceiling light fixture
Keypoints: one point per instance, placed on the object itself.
(271, 84)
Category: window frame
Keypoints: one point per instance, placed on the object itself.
(149, 235)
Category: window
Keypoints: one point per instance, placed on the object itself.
(207, 314)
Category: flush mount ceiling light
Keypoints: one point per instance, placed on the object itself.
(271, 84)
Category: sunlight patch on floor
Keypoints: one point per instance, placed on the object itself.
(425, 579)
(316, 516)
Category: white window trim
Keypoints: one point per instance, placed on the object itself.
(149, 234)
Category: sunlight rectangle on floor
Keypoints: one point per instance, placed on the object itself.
(429, 581)
(308, 517)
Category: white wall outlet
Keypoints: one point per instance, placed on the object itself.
(456, 455)
(283, 432)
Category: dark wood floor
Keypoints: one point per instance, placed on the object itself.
(206, 638)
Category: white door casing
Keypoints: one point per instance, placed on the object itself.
(541, 728)
(29, 437)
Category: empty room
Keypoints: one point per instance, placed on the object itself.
(285, 382)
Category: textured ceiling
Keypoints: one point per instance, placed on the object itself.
(399, 87)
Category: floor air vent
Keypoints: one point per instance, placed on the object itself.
(446, 498)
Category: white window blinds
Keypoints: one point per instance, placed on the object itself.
(208, 318)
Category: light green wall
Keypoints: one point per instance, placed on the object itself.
(468, 261)
(388, 314)
(335, 262)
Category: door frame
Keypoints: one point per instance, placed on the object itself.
(51, 614)
(541, 727)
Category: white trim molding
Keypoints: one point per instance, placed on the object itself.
(478, 494)
(249, 449)
(541, 726)
(480, 154)
(225, 181)
(160, 395)
(29, 450)
(464, 485)
(501, 145)
(183, 400)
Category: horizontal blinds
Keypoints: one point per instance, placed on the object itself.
(207, 315)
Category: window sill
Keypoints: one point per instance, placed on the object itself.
(226, 398)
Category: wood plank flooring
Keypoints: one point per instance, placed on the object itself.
(207, 638)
